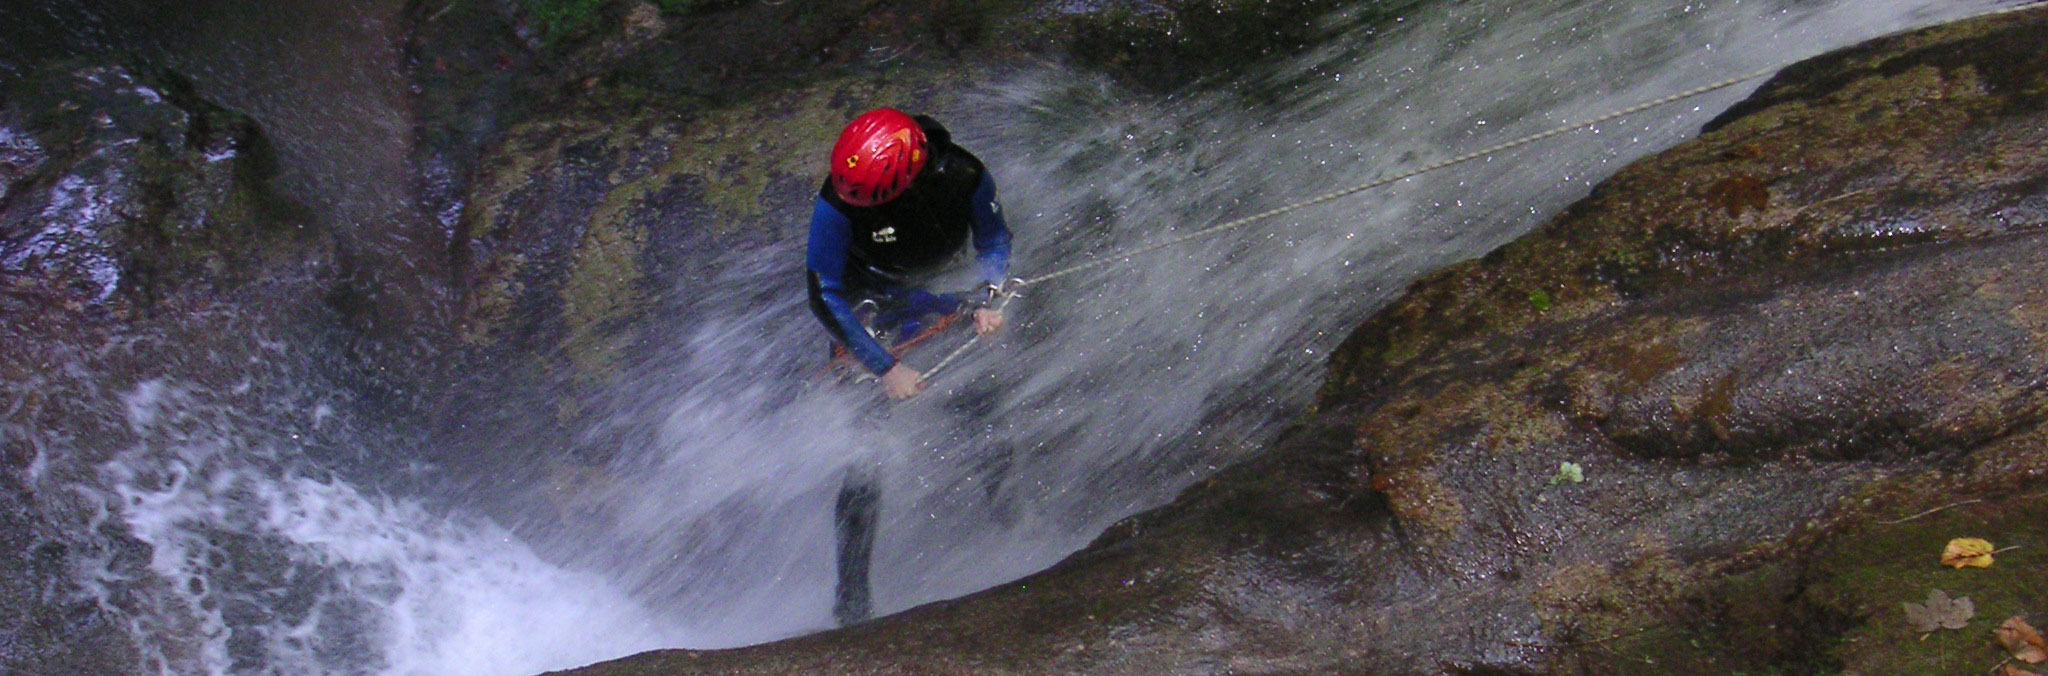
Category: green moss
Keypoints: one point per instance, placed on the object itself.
(728, 157)
(1603, 600)
(734, 153)
(1512, 423)
(603, 292)
(559, 20)
(739, 151)
(1716, 405)
(606, 284)
(494, 221)
(1866, 575)
(491, 301)
(1827, 602)
(1652, 613)
(528, 150)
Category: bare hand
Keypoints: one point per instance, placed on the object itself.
(902, 382)
(987, 321)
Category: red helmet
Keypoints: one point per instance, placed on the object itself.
(876, 157)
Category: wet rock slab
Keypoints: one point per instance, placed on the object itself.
(1792, 358)
(139, 239)
(118, 191)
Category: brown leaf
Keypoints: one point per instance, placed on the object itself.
(2010, 670)
(1940, 612)
(2020, 639)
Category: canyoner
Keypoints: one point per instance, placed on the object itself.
(899, 203)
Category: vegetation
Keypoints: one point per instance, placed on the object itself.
(557, 20)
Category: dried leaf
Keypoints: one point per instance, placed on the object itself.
(2010, 670)
(1940, 612)
(2020, 639)
(1959, 613)
(1967, 552)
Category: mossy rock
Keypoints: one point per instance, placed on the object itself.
(578, 218)
(1788, 177)
(124, 191)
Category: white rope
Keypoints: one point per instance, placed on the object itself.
(1467, 157)
(971, 342)
(1125, 257)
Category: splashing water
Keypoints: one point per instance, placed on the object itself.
(1120, 386)
(1112, 390)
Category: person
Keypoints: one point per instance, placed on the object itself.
(900, 201)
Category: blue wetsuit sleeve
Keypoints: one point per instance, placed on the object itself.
(831, 234)
(991, 234)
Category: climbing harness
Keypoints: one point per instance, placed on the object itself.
(1011, 288)
(842, 365)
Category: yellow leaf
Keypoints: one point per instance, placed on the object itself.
(1967, 552)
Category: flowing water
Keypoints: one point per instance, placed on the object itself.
(266, 552)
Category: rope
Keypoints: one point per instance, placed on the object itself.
(1009, 289)
(1125, 256)
(971, 342)
(1461, 159)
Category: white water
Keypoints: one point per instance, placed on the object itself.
(1114, 388)
(1122, 385)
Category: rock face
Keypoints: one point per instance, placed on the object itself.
(139, 239)
(116, 193)
(1793, 358)
(590, 226)
(631, 158)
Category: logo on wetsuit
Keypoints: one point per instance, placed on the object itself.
(885, 235)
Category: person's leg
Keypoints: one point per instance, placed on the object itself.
(854, 519)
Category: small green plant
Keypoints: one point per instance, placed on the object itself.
(1568, 472)
(1540, 300)
(557, 19)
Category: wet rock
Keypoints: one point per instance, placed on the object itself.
(1164, 44)
(483, 67)
(120, 191)
(593, 230)
(1792, 357)
(585, 179)
(139, 240)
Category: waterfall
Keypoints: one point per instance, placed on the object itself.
(230, 516)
